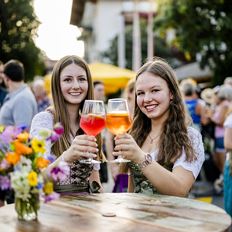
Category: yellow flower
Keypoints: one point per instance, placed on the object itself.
(23, 137)
(32, 178)
(38, 145)
(48, 188)
(1, 128)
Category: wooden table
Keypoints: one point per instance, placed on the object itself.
(129, 212)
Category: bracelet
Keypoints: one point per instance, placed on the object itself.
(146, 162)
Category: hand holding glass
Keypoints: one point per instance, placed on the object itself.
(92, 121)
(118, 119)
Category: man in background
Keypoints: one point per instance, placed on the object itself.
(19, 106)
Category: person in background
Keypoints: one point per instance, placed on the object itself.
(40, 94)
(71, 85)
(194, 104)
(166, 154)
(228, 81)
(19, 106)
(222, 103)
(99, 94)
(99, 90)
(228, 164)
(129, 94)
(3, 91)
(207, 130)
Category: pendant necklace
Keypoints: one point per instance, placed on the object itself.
(152, 139)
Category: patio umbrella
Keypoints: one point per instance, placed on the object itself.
(113, 77)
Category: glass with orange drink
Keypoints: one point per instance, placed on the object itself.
(118, 120)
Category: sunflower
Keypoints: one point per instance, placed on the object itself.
(38, 145)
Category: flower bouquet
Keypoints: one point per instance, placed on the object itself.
(22, 159)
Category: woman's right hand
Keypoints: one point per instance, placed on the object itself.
(82, 147)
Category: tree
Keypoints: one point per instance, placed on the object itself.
(18, 25)
(202, 32)
(160, 49)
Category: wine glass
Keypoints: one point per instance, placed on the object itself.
(92, 121)
(118, 120)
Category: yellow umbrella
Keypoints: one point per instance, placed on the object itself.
(113, 77)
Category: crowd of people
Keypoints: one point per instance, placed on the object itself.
(174, 126)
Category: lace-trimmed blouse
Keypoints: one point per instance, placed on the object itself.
(78, 179)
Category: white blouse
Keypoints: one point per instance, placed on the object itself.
(198, 148)
(44, 120)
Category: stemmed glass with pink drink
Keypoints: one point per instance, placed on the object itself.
(92, 121)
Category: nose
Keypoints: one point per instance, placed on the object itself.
(147, 97)
(76, 84)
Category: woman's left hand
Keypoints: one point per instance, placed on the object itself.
(126, 146)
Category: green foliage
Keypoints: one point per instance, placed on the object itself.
(203, 29)
(160, 48)
(18, 25)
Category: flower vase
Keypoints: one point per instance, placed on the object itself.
(27, 209)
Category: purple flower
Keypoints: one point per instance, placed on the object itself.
(54, 137)
(9, 134)
(50, 157)
(58, 128)
(51, 197)
(5, 182)
(60, 172)
(4, 165)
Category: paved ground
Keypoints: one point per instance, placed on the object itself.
(204, 191)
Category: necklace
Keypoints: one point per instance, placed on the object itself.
(152, 139)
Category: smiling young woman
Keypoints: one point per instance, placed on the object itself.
(166, 153)
(71, 85)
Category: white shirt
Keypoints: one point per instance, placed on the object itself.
(198, 148)
(44, 120)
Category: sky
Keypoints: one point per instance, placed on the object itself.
(56, 37)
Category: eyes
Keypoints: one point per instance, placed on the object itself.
(70, 79)
(139, 93)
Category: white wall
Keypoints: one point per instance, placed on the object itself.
(106, 25)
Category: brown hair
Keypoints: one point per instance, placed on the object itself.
(60, 110)
(174, 136)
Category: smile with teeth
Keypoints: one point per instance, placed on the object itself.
(150, 107)
(75, 93)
